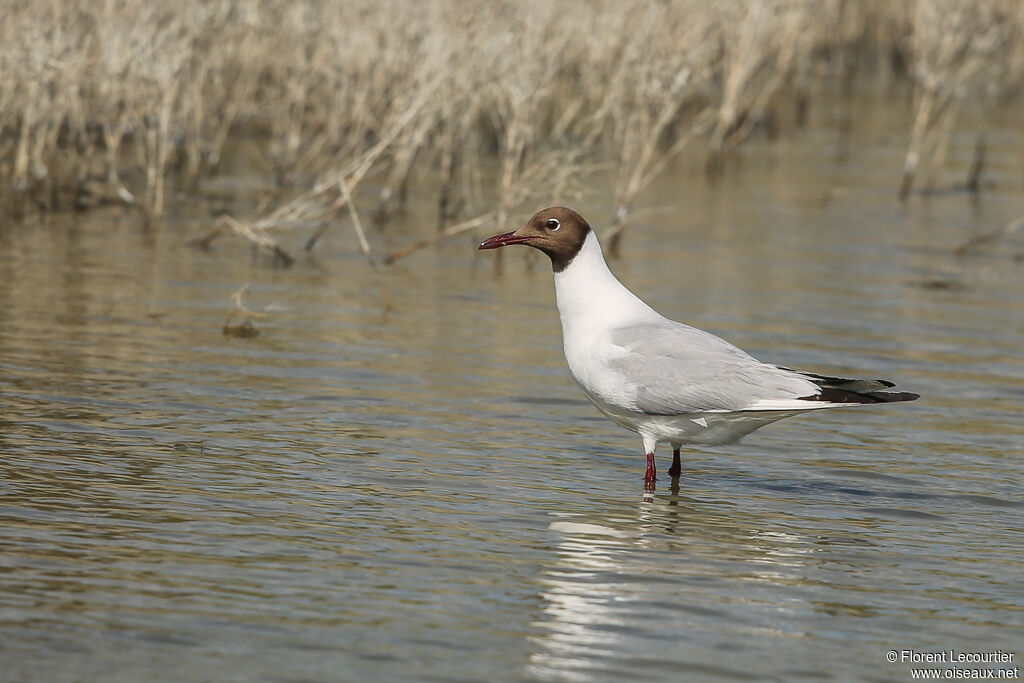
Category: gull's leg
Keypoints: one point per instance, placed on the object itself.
(652, 471)
(677, 467)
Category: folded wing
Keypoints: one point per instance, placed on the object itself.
(676, 369)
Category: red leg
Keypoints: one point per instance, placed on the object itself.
(677, 467)
(651, 475)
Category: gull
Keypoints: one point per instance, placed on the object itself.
(666, 381)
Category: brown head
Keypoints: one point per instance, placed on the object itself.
(558, 232)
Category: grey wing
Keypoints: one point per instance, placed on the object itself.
(677, 369)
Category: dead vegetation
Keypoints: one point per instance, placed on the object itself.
(245, 329)
(486, 105)
(960, 50)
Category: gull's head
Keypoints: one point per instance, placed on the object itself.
(558, 232)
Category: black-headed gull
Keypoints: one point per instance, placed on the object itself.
(664, 380)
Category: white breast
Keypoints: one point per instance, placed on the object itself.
(591, 302)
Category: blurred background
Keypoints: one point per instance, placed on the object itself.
(274, 115)
(267, 414)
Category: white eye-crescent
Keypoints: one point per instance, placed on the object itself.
(553, 224)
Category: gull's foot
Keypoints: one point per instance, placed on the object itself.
(676, 469)
(651, 475)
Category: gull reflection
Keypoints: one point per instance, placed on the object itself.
(672, 568)
(579, 612)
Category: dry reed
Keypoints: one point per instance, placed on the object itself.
(119, 100)
(960, 50)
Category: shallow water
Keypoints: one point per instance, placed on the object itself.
(422, 493)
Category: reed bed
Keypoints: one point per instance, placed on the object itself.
(108, 101)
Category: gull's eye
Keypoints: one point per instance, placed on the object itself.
(553, 224)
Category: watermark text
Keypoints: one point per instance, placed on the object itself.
(999, 664)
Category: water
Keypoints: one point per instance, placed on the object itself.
(422, 494)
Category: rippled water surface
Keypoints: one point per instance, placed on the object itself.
(422, 494)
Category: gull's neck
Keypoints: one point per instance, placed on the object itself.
(591, 299)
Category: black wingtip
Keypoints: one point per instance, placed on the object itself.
(833, 395)
(897, 396)
(844, 390)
